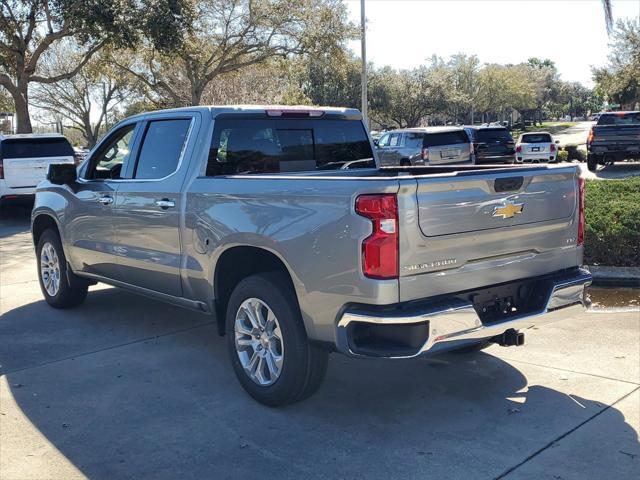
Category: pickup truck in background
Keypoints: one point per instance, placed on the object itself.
(24, 160)
(279, 221)
(615, 137)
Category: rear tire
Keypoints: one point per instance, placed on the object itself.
(272, 358)
(592, 163)
(54, 274)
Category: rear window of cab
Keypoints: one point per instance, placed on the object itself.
(253, 146)
(631, 118)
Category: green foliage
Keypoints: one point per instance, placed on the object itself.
(619, 81)
(563, 156)
(576, 152)
(404, 98)
(612, 217)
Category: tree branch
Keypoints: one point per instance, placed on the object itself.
(72, 73)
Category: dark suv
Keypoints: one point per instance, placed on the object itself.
(492, 144)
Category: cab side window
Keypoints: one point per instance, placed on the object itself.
(108, 162)
(395, 140)
(162, 146)
(384, 140)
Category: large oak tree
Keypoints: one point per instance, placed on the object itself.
(30, 28)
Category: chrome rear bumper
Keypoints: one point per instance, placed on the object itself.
(451, 324)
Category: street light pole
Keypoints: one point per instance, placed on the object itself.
(363, 38)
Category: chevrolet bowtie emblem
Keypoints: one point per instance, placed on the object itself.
(507, 210)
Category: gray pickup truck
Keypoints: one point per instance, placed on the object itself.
(279, 223)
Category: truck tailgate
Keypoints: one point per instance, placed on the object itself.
(28, 172)
(482, 228)
(614, 137)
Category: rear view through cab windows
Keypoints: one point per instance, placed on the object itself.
(252, 146)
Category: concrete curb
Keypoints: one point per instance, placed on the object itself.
(615, 276)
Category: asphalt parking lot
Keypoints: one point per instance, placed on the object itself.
(126, 387)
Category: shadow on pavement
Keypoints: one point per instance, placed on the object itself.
(618, 170)
(15, 218)
(169, 406)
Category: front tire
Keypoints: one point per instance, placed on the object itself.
(54, 276)
(268, 345)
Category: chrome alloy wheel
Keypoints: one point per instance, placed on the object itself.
(50, 269)
(258, 341)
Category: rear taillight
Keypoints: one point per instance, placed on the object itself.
(518, 148)
(552, 147)
(590, 136)
(424, 154)
(581, 183)
(1, 169)
(380, 249)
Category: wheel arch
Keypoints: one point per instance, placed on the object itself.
(238, 262)
(43, 221)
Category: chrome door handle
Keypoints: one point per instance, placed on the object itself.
(165, 203)
(106, 200)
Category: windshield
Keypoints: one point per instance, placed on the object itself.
(494, 134)
(36, 147)
(536, 138)
(631, 118)
(287, 145)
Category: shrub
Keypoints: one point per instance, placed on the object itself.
(612, 217)
(563, 156)
(575, 152)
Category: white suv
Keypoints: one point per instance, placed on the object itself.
(25, 159)
(536, 147)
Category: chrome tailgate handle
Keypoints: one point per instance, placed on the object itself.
(165, 203)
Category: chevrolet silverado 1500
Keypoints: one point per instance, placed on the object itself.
(279, 222)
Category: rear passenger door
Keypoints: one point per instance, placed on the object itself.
(149, 204)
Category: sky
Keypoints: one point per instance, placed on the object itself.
(406, 33)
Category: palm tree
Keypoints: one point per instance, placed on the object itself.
(608, 15)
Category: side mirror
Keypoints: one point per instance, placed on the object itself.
(376, 142)
(62, 173)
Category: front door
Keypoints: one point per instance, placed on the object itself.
(148, 206)
(90, 231)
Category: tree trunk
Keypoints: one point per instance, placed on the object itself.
(21, 101)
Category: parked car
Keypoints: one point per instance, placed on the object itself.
(536, 147)
(24, 160)
(79, 154)
(615, 137)
(424, 146)
(491, 144)
(230, 211)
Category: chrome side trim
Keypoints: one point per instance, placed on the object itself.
(457, 321)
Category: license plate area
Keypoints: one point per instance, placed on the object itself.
(499, 303)
(450, 153)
